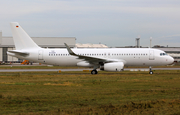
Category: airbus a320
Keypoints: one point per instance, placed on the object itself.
(107, 59)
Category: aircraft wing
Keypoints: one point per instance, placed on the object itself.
(16, 52)
(92, 60)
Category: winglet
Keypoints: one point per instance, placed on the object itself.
(69, 49)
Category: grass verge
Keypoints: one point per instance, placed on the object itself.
(82, 93)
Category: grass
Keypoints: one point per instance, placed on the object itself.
(77, 93)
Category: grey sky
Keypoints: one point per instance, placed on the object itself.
(111, 22)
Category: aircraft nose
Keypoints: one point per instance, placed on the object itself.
(171, 60)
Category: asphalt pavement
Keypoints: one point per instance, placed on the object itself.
(41, 70)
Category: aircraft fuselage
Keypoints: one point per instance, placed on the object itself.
(130, 56)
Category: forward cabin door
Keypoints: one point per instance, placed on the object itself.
(151, 55)
(40, 55)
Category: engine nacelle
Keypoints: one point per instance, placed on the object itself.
(84, 64)
(114, 66)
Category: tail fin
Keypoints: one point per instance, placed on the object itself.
(21, 39)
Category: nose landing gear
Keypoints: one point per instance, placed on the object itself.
(150, 70)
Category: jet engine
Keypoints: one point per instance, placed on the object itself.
(114, 66)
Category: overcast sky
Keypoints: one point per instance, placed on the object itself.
(111, 22)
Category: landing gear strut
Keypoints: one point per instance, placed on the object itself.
(150, 70)
(94, 71)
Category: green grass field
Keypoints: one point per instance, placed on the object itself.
(78, 93)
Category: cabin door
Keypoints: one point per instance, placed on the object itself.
(40, 55)
(151, 55)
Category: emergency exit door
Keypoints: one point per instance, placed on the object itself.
(151, 55)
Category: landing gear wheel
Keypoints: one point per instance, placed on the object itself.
(94, 72)
(151, 72)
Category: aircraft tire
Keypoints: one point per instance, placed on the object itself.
(93, 72)
(151, 72)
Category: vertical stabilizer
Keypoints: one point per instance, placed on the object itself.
(21, 39)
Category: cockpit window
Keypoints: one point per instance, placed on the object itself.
(163, 54)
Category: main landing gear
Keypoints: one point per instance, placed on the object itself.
(94, 71)
(150, 70)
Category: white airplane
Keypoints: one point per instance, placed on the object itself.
(108, 59)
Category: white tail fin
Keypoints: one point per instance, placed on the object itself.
(21, 39)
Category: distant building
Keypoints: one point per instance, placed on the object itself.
(158, 46)
(78, 45)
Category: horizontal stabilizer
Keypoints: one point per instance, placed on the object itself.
(16, 52)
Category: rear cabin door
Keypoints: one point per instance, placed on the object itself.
(40, 55)
(151, 55)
